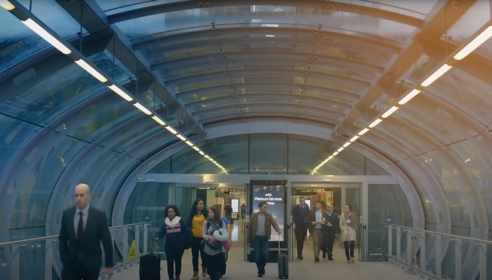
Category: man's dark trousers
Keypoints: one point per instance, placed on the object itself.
(301, 233)
(260, 246)
(328, 241)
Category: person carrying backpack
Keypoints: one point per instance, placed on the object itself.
(177, 233)
(213, 247)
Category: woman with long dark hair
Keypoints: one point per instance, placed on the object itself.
(176, 232)
(198, 216)
(213, 247)
(348, 225)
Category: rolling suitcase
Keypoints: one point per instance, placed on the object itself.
(283, 264)
(150, 266)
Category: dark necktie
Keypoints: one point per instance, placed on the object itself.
(80, 228)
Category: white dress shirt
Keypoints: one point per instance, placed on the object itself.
(76, 219)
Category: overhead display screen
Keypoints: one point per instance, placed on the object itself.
(273, 193)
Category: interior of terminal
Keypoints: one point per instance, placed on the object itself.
(374, 113)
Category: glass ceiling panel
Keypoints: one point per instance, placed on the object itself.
(339, 21)
(470, 95)
(18, 42)
(62, 90)
(417, 9)
(470, 22)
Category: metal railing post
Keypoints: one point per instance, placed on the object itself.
(398, 243)
(390, 241)
(48, 259)
(423, 264)
(483, 261)
(145, 237)
(457, 258)
(137, 241)
(438, 256)
(15, 255)
(126, 248)
(410, 244)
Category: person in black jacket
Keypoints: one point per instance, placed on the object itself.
(330, 230)
(176, 232)
(198, 216)
(299, 214)
(83, 229)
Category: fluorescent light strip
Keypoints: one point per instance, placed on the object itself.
(364, 131)
(181, 137)
(480, 39)
(189, 143)
(47, 36)
(330, 157)
(354, 138)
(7, 5)
(196, 149)
(339, 150)
(91, 70)
(201, 153)
(335, 153)
(389, 112)
(142, 108)
(441, 71)
(206, 156)
(409, 96)
(346, 144)
(120, 92)
(159, 121)
(374, 123)
(170, 129)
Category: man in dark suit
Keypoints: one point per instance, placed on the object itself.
(330, 230)
(83, 229)
(299, 215)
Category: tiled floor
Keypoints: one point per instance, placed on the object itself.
(306, 269)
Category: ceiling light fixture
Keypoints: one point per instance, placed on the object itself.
(389, 112)
(374, 123)
(364, 131)
(120, 92)
(142, 108)
(196, 148)
(480, 39)
(335, 154)
(158, 120)
(91, 70)
(441, 71)
(47, 36)
(346, 144)
(189, 143)
(172, 130)
(181, 137)
(354, 138)
(339, 150)
(409, 96)
(7, 5)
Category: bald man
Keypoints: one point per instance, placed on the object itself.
(83, 229)
(330, 230)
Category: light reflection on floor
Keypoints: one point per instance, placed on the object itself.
(234, 229)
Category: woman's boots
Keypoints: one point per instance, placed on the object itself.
(195, 276)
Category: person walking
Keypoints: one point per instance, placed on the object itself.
(83, 229)
(259, 233)
(348, 225)
(317, 219)
(198, 216)
(299, 215)
(213, 247)
(176, 233)
(329, 232)
(243, 210)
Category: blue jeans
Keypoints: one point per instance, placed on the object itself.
(260, 246)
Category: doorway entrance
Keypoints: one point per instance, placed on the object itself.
(337, 194)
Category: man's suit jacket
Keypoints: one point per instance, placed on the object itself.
(89, 251)
(312, 218)
(335, 224)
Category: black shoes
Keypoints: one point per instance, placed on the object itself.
(300, 257)
(260, 274)
(316, 259)
(330, 258)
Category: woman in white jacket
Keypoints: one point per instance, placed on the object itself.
(348, 225)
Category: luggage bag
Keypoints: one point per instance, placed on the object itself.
(283, 264)
(150, 266)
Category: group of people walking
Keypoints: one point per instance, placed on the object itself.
(323, 225)
(204, 232)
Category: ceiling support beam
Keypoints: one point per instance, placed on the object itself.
(94, 20)
(434, 27)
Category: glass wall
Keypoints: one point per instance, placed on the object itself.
(269, 153)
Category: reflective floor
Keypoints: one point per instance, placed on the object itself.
(306, 269)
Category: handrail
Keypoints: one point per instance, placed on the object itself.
(10, 243)
(443, 234)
